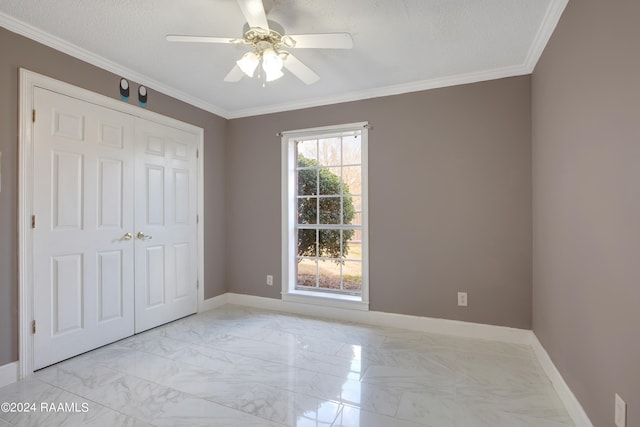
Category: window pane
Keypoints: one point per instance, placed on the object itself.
(330, 210)
(329, 242)
(330, 181)
(352, 177)
(352, 210)
(328, 198)
(307, 244)
(307, 182)
(307, 150)
(307, 210)
(352, 245)
(329, 274)
(352, 150)
(307, 272)
(352, 276)
(330, 151)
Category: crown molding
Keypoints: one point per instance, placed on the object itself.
(546, 29)
(548, 25)
(16, 26)
(399, 89)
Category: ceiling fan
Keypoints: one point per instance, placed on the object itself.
(268, 46)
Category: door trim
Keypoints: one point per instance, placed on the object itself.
(28, 81)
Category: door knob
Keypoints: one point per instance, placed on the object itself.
(142, 236)
(127, 236)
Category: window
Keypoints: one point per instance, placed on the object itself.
(325, 215)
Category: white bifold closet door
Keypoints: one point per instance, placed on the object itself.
(114, 204)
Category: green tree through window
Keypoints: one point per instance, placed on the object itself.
(314, 181)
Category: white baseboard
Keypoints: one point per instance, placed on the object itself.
(215, 302)
(573, 406)
(8, 374)
(378, 318)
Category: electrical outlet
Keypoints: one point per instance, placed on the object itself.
(621, 412)
(462, 299)
(269, 280)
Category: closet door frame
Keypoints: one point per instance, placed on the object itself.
(26, 177)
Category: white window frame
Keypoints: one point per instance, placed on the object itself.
(289, 219)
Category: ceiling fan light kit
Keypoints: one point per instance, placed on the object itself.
(248, 63)
(272, 64)
(268, 45)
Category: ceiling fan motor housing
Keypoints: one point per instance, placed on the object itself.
(262, 39)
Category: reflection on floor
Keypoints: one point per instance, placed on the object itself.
(236, 366)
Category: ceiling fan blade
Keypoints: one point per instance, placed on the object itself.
(253, 11)
(234, 75)
(301, 71)
(201, 39)
(322, 41)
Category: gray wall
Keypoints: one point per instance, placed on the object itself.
(17, 51)
(449, 200)
(586, 204)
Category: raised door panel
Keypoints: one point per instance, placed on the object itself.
(181, 196)
(155, 283)
(67, 302)
(154, 195)
(67, 190)
(68, 124)
(182, 270)
(110, 194)
(111, 286)
(112, 134)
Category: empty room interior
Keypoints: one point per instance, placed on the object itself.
(392, 213)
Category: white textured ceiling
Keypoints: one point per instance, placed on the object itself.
(399, 45)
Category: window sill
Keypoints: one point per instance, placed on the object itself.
(326, 299)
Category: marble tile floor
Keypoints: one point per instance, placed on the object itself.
(238, 366)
